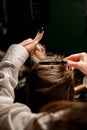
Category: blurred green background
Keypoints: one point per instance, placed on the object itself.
(65, 32)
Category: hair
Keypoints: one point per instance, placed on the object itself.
(67, 115)
(48, 83)
(2, 53)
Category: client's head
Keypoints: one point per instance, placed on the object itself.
(47, 83)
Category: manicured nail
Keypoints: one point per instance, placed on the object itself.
(41, 30)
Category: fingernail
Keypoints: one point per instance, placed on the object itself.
(41, 30)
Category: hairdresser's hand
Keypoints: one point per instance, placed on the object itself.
(78, 61)
(31, 44)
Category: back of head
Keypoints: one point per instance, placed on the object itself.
(63, 115)
(47, 83)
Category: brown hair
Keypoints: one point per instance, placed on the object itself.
(47, 83)
(63, 115)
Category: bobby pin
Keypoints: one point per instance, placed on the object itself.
(62, 62)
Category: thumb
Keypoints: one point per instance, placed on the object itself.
(73, 64)
(31, 46)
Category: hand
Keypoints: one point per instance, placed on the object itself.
(78, 61)
(38, 54)
(31, 44)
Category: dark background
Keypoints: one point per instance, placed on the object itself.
(64, 22)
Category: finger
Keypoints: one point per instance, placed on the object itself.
(40, 48)
(27, 41)
(37, 47)
(78, 65)
(35, 41)
(72, 64)
(35, 58)
(40, 55)
(39, 35)
(74, 57)
(30, 47)
(31, 52)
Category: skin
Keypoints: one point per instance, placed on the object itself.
(32, 46)
(78, 61)
(75, 61)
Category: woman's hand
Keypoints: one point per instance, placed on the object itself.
(78, 61)
(31, 44)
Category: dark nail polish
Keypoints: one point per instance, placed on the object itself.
(41, 30)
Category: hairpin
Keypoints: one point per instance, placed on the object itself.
(62, 62)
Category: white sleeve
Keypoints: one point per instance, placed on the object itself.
(9, 69)
(16, 116)
(13, 116)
